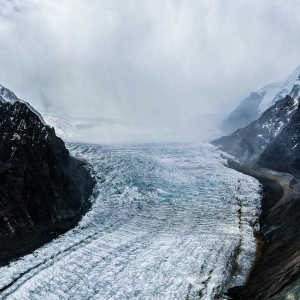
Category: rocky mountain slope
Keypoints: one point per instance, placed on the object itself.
(257, 103)
(248, 143)
(283, 153)
(267, 145)
(43, 191)
(244, 114)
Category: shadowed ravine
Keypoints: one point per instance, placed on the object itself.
(170, 222)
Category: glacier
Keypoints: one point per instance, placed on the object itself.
(168, 221)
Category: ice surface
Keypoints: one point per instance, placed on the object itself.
(167, 223)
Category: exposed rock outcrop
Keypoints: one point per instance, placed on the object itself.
(43, 191)
(273, 142)
(248, 143)
(276, 272)
(283, 154)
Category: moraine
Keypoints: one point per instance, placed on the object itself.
(168, 222)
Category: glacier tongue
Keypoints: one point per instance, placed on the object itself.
(168, 223)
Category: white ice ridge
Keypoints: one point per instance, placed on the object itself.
(276, 91)
(168, 223)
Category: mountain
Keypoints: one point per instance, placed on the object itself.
(248, 143)
(44, 191)
(7, 95)
(272, 143)
(283, 153)
(257, 103)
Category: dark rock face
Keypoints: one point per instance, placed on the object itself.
(283, 154)
(42, 188)
(276, 274)
(244, 114)
(248, 143)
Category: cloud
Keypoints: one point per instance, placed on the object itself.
(163, 61)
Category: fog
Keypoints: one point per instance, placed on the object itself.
(187, 63)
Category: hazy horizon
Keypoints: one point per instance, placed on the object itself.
(156, 62)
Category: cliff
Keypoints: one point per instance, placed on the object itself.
(275, 273)
(283, 154)
(43, 191)
(268, 149)
(248, 143)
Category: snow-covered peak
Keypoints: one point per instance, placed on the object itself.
(249, 142)
(276, 91)
(7, 95)
(270, 94)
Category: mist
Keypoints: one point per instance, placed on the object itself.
(177, 66)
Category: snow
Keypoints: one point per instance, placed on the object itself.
(135, 244)
(279, 128)
(8, 95)
(16, 137)
(276, 91)
(62, 126)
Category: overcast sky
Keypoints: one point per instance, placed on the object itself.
(145, 60)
